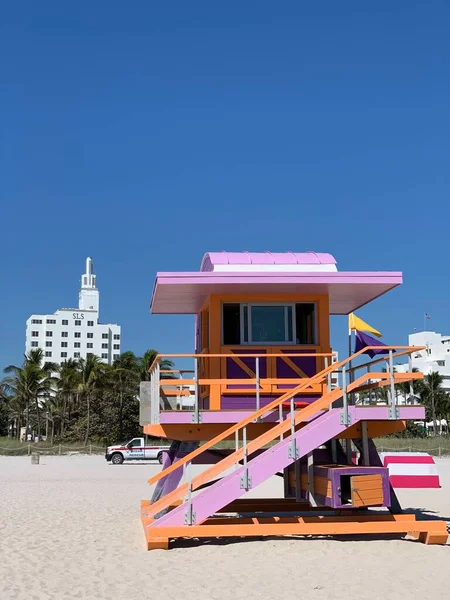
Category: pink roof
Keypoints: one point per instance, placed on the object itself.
(185, 293)
(265, 258)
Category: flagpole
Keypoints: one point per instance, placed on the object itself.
(350, 352)
(351, 325)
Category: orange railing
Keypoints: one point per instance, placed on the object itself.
(167, 383)
(293, 420)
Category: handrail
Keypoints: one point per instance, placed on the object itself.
(237, 426)
(237, 455)
(262, 411)
(240, 355)
(384, 377)
(386, 358)
(302, 415)
(255, 355)
(228, 461)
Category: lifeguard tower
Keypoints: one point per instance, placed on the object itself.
(266, 396)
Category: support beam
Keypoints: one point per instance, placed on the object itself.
(365, 444)
(310, 466)
(429, 531)
(348, 451)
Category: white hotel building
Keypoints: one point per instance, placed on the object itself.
(75, 332)
(435, 356)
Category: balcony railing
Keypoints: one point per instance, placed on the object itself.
(341, 397)
(186, 389)
(170, 388)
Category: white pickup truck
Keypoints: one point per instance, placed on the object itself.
(135, 449)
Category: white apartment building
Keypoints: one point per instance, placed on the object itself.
(75, 332)
(435, 357)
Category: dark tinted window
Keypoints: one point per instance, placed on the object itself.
(231, 324)
(305, 320)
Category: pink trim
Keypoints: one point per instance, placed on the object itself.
(234, 416)
(411, 460)
(186, 277)
(212, 416)
(382, 412)
(415, 481)
(185, 293)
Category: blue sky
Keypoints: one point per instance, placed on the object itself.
(146, 133)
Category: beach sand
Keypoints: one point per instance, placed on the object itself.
(70, 528)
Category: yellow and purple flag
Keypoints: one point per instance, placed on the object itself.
(357, 324)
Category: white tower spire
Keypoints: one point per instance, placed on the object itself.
(88, 280)
(89, 294)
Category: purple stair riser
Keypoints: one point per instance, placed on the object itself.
(170, 482)
(273, 460)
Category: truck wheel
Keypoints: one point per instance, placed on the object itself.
(160, 458)
(117, 458)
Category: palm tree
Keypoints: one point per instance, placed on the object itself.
(124, 378)
(91, 369)
(4, 409)
(148, 359)
(411, 388)
(66, 395)
(68, 382)
(53, 410)
(431, 393)
(20, 385)
(30, 383)
(443, 407)
(47, 381)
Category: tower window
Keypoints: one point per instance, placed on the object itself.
(89, 345)
(36, 344)
(49, 333)
(36, 321)
(65, 322)
(63, 344)
(104, 356)
(63, 354)
(64, 334)
(268, 324)
(51, 321)
(35, 334)
(105, 346)
(76, 355)
(104, 336)
(76, 345)
(90, 323)
(77, 334)
(48, 354)
(231, 322)
(48, 344)
(116, 356)
(116, 336)
(77, 323)
(90, 335)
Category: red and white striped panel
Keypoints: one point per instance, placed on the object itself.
(411, 469)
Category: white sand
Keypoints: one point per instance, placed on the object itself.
(70, 528)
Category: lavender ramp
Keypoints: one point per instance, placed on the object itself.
(260, 468)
